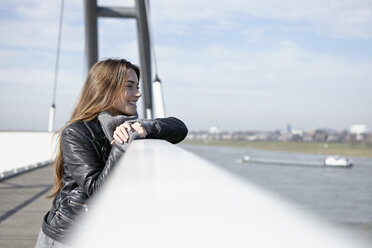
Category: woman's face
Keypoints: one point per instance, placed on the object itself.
(128, 97)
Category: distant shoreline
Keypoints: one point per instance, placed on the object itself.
(323, 148)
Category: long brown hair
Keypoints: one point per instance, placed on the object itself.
(101, 88)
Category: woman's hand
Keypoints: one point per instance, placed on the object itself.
(121, 134)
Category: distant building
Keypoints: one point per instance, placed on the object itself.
(297, 134)
(359, 131)
(289, 128)
(320, 135)
(214, 130)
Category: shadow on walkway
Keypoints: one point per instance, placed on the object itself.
(22, 207)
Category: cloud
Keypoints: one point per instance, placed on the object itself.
(345, 18)
(287, 63)
(272, 86)
(34, 24)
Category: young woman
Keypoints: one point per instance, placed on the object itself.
(102, 125)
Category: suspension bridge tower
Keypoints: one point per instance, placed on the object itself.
(138, 12)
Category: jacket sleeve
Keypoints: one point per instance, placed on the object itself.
(81, 160)
(170, 129)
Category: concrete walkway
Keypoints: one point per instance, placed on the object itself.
(22, 207)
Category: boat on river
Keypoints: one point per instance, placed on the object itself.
(338, 161)
(330, 161)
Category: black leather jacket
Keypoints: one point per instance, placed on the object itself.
(88, 159)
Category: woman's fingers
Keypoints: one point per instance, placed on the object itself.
(117, 138)
(128, 126)
(121, 133)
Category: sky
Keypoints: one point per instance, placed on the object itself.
(237, 64)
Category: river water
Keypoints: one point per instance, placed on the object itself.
(341, 196)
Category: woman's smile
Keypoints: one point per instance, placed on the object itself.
(134, 103)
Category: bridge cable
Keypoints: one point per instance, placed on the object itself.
(51, 114)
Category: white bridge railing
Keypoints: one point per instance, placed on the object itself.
(22, 151)
(160, 195)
